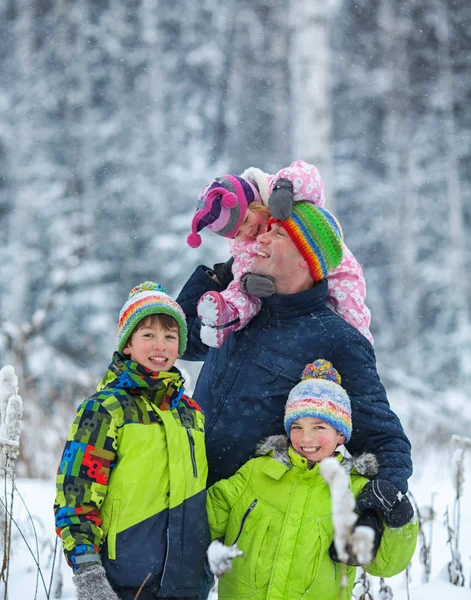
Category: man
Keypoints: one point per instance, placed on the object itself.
(243, 385)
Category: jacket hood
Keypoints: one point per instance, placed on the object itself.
(364, 464)
(259, 179)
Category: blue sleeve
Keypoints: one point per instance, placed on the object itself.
(376, 428)
(198, 284)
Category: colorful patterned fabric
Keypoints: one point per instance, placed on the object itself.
(147, 299)
(281, 513)
(134, 469)
(221, 207)
(321, 396)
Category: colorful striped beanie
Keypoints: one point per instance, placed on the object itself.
(320, 395)
(221, 207)
(147, 299)
(317, 235)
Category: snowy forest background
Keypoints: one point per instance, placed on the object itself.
(113, 114)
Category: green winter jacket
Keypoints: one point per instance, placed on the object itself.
(279, 511)
(131, 482)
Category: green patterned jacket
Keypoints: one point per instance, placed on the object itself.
(131, 482)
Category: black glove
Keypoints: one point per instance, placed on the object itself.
(260, 286)
(369, 518)
(280, 201)
(223, 272)
(91, 584)
(383, 496)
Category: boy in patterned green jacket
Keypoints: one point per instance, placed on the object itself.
(130, 502)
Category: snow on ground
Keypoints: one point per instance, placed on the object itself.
(432, 476)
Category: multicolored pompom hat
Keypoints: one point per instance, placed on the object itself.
(320, 395)
(149, 298)
(221, 207)
(317, 235)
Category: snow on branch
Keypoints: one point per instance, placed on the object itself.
(11, 411)
(348, 540)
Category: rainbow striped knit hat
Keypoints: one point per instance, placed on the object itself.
(320, 395)
(317, 235)
(146, 299)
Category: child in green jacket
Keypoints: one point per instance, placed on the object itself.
(130, 503)
(277, 508)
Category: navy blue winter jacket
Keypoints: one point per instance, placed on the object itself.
(243, 386)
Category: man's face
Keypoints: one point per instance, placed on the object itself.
(278, 257)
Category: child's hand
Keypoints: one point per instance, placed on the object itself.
(220, 557)
(260, 286)
(280, 201)
(91, 583)
(383, 496)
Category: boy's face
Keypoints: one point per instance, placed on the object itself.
(154, 347)
(314, 439)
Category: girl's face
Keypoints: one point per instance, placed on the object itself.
(314, 439)
(254, 223)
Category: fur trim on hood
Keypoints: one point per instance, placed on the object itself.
(259, 179)
(279, 444)
(365, 464)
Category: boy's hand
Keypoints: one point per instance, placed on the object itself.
(220, 557)
(383, 496)
(91, 584)
(260, 286)
(280, 201)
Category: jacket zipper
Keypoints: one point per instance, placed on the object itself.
(244, 518)
(166, 558)
(191, 441)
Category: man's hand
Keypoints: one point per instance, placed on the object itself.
(91, 584)
(260, 286)
(370, 521)
(280, 201)
(220, 557)
(223, 272)
(383, 496)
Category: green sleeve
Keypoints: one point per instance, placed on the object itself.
(223, 495)
(395, 551)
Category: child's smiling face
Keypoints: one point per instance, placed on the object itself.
(154, 346)
(254, 223)
(314, 439)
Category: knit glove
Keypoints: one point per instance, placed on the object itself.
(91, 584)
(220, 557)
(383, 496)
(280, 201)
(371, 519)
(223, 272)
(260, 286)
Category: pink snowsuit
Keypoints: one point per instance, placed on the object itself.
(346, 285)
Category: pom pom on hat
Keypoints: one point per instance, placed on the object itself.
(193, 240)
(320, 395)
(149, 298)
(321, 369)
(147, 286)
